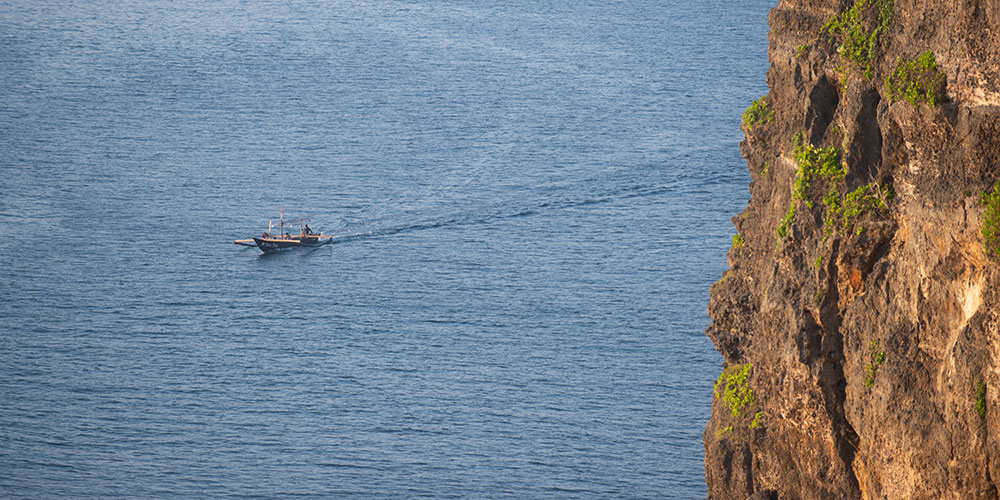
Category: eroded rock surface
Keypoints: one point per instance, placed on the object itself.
(874, 343)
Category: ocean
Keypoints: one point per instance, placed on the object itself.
(530, 200)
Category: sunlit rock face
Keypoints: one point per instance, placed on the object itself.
(872, 322)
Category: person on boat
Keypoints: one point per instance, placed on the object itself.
(308, 231)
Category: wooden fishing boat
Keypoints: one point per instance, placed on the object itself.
(269, 242)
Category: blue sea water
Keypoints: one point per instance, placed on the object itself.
(531, 199)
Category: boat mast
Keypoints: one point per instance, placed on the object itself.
(281, 215)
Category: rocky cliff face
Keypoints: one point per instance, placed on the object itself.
(860, 320)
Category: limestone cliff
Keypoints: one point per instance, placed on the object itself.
(860, 321)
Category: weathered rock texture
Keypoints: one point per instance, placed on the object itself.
(915, 286)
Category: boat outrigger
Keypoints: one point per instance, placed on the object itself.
(269, 242)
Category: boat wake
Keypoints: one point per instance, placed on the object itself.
(470, 220)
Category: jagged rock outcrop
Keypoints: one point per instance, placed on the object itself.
(862, 347)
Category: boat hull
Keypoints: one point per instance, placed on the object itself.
(268, 245)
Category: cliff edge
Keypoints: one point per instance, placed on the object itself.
(860, 320)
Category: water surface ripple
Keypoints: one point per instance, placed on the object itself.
(531, 200)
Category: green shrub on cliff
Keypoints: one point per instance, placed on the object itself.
(842, 209)
(858, 30)
(917, 80)
(877, 360)
(981, 399)
(853, 205)
(759, 113)
(733, 389)
(991, 222)
(723, 432)
(786, 222)
(738, 241)
(859, 201)
(816, 163)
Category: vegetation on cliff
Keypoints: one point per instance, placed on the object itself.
(849, 208)
(981, 399)
(843, 209)
(759, 113)
(859, 29)
(732, 387)
(917, 80)
(739, 242)
(786, 222)
(876, 360)
(991, 222)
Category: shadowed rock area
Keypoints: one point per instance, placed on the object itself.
(871, 324)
